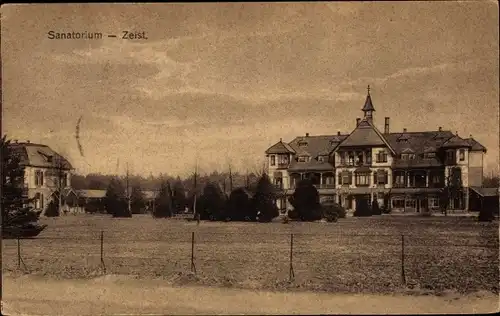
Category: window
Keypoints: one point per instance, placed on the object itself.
(302, 144)
(429, 155)
(303, 159)
(359, 158)
(321, 159)
(381, 156)
(38, 178)
(380, 177)
(399, 179)
(351, 159)
(434, 202)
(283, 159)
(456, 177)
(345, 177)
(64, 181)
(368, 156)
(450, 156)
(278, 182)
(362, 179)
(342, 156)
(398, 203)
(411, 203)
(461, 154)
(273, 160)
(436, 179)
(38, 201)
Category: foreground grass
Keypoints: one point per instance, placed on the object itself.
(352, 255)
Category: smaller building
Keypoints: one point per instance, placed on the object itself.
(484, 198)
(46, 174)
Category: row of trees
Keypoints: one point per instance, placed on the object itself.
(211, 204)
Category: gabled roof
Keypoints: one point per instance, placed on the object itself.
(455, 142)
(475, 145)
(316, 146)
(365, 134)
(280, 148)
(38, 155)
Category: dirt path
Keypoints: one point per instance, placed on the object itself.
(29, 295)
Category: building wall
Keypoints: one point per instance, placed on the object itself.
(475, 168)
(390, 158)
(46, 189)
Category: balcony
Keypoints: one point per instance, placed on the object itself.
(282, 165)
(354, 164)
(324, 186)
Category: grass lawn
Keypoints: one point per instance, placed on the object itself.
(352, 255)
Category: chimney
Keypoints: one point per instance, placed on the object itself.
(281, 139)
(386, 127)
(357, 121)
(338, 133)
(307, 134)
(404, 130)
(440, 128)
(28, 141)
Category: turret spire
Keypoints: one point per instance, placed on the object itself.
(368, 107)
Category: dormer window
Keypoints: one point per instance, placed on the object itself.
(302, 144)
(407, 156)
(303, 159)
(429, 155)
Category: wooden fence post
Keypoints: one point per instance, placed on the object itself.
(403, 276)
(102, 252)
(193, 267)
(292, 273)
(18, 253)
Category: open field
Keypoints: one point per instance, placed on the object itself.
(352, 255)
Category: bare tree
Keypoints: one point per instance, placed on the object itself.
(58, 179)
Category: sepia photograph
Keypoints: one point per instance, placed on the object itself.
(260, 158)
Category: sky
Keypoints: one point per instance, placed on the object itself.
(217, 84)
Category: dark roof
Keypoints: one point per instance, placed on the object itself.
(38, 155)
(456, 141)
(316, 144)
(368, 104)
(280, 148)
(320, 145)
(418, 142)
(485, 191)
(475, 145)
(365, 134)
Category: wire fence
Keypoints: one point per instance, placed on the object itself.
(329, 261)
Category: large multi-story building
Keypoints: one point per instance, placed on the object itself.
(46, 173)
(402, 170)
